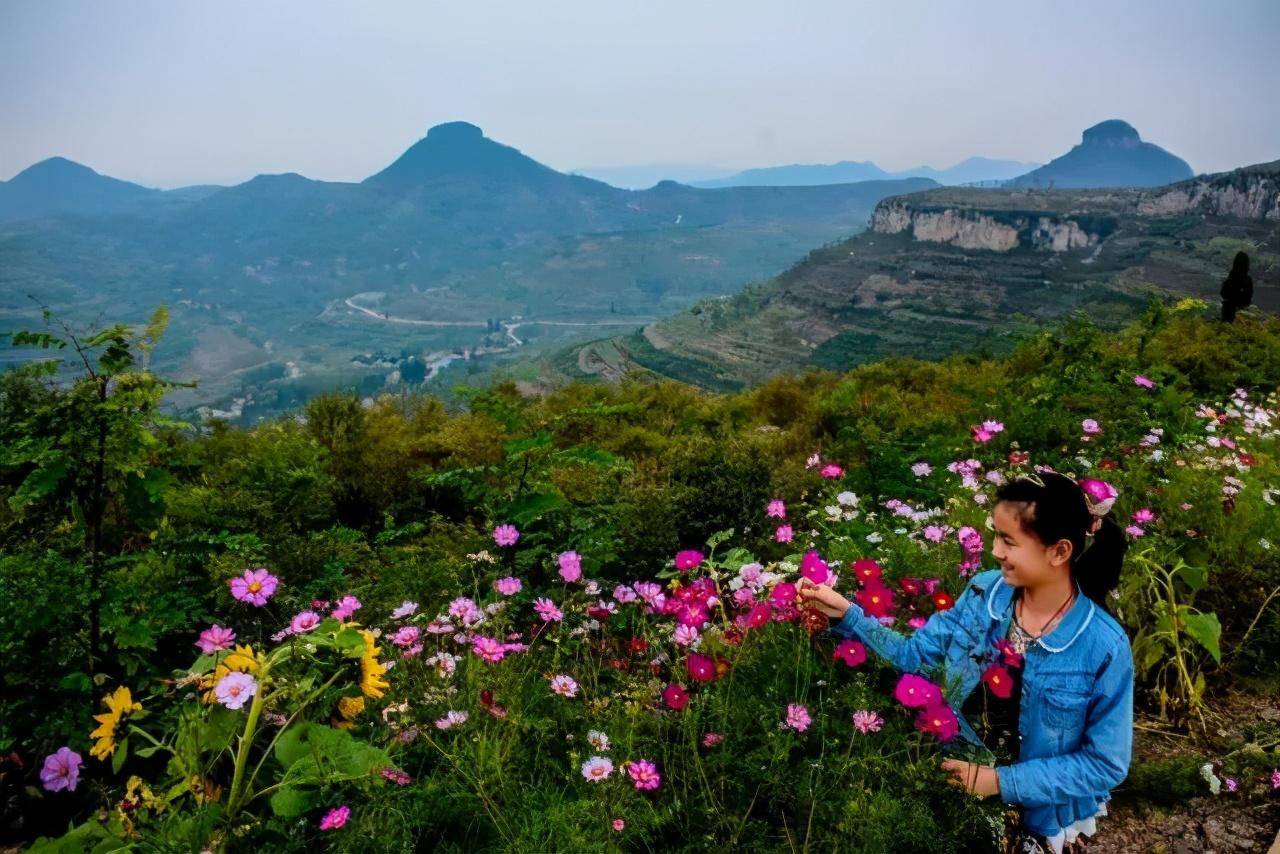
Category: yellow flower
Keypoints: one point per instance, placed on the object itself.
(119, 703)
(241, 659)
(371, 670)
(351, 707)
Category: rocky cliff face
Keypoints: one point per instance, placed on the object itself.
(978, 229)
(1252, 193)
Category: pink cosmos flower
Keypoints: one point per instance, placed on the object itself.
(618, 824)
(61, 771)
(783, 594)
(451, 719)
(214, 639)
(935, 533)
(916, 692)
(922, 469)
(1090, 427)
(759, 614)
(346, 607)
(1275, 778)
(866, 721)
(831, 471)
(814, 567)
(406, 609)
(1102, 494)
(916, 623)
(256, 586)
(508, 586)
(235, 689)
(876, 599)
(488, 649)
(464, 609)
(711, 739)
(645, 774)
(675, 696)
(851, 652)
(685, 635)
(1144, 516)
(547, 610)
(570, 566)
(624, 594)
(1230, 783)
(867, 570)
(798, 717)
(395, 775)
(784, 534)
(998, 680)
(303, 622)
(406, 636)
(688, 559)
(980, 435)
(701, 668)
(596, 769)
(1134, 531)
(335, 818)
(938, 719)
(564, 685)
(1008, 655)
(506, 535)
(1140, 380)
(776, 509)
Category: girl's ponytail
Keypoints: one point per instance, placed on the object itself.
(1097, 569)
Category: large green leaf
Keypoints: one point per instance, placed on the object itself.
(1204, 628)
(1193, 576)
(288, 803)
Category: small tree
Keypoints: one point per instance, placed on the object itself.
(88, 446)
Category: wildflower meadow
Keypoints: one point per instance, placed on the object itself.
(571, 623)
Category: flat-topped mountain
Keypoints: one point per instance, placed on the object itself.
(1110, 154)
(955, 268)
(971, 170)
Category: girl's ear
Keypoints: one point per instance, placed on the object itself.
(1060, 552)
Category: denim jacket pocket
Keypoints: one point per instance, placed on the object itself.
(1064, 714)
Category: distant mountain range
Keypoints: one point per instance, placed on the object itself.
(279, 283)
(1110, 154)
(973, 170)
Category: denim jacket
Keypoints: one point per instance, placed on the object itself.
(1076, 720)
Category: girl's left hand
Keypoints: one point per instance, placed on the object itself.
(980, 780)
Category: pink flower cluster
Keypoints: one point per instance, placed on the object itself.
(935, 716)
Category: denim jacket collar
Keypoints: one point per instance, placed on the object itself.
(1069, 628)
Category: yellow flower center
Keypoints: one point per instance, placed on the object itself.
(254, 586)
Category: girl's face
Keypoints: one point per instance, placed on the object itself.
(1024, 560)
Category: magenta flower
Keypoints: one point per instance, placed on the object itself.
(618, 824)
(776, 509)
(406, 636)
(506, 535)
(335, 818)
(597, 768)
(1230, 783)
(645, 774)
(916, 692)
(798, 717)
(675, 696)
(851, 652)
(303, 622)
(1275, 778)
(61, 771)
(866, 721)
(1090, 427)
(508, 586)
(814, 568)
(488, 649)
(938, 719)
(1134, 531)
(1140, 380)
(831, 471)
(711, 739)
(345, 608)
(235, 689)
(784, 534)
(688, 559)
(547, 610)
(1102, 495)
(570, 567)
(256, 586)
(214, 639)
(701, 668)
(783, 594)
(1144, 516)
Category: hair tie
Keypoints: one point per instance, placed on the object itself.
(1099, 497)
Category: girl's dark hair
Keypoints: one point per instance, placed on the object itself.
(1057, 511)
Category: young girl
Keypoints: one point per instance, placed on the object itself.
(1067, 717)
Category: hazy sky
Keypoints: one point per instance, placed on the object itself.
(168, 92)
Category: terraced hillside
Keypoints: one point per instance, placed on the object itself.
(952, 268)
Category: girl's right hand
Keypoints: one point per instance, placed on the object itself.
(822, 597)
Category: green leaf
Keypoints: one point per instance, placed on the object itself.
(117, 758)
(1204, 629)
(38, 484)
(289, 803)
(530, 506)
(349, 641)
(1193, 576)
